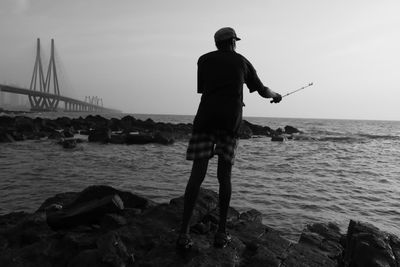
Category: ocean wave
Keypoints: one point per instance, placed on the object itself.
(384, 137)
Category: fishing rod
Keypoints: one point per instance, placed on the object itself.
(292, 92)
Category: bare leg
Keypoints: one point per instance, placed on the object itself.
(225, 190)
(199, 170)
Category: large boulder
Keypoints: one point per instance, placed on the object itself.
(366, 245)
(96, 121)
(145, 235)
(24, 124)
(291, 130)
(245, 131)
(5, 137)
(84, 213)
(127, 123)
(63, 122)
(257, 129)
(7, 122)
(101, 135)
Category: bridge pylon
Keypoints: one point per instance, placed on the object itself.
(38, 83)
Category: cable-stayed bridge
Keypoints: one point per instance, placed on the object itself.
(44, 92)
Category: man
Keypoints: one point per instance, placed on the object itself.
(221, 75)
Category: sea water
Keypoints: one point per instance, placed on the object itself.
(336, 170)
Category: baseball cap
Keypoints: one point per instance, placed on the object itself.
(225, 34)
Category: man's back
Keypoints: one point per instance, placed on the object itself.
(221, 73)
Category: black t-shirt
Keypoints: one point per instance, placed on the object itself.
(220, 79)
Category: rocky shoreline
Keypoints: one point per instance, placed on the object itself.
(103, 226)
(127, 130)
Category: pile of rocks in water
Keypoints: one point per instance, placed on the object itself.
(127, 130)
(103, 226)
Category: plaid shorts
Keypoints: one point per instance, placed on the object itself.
(205, 146)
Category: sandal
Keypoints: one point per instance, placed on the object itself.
(184, 242)
(221, 240)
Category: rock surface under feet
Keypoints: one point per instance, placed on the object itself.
(144, 233)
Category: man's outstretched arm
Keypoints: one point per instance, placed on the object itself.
(268, 93)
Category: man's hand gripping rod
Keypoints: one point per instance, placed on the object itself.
(304, 87)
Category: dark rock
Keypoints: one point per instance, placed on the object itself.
(102, 135)
(5, 137)
(139, 138)
(99, 129)
(127, 123)
(251, 216)
(325, 238)
(257, 129)
(147, 236)
(79, 124)
(395, 245)
(113, 251)
(7, 122)
(55, 135)
(100, 191)
(68, 142)
(163, 138)
(118, 138)
(24, 124)
(112, 221)
(96, 121)
(84, 213)
(67, 133)
(245, 131)
(114, 124)
(279, 138)
(291, 130)
(62, 199)
(368, 246)
(63, 122)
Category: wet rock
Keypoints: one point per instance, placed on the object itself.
(7, 122)
(163, 138)
(60, 200)
(147, 236)
(251, 216)
(118, 138)
(324, 238)
(245, 131)
(85, 212)
(96, 121)
(279, 138)
(102, 135)
(291, 130)
(368, 246)
(105, 130)
(127, 123)
(79, 124)
(113, 251)
(24, 124)
(5, 137)
(112, 221)
(63, 122)
(139, 138)
(257, 129)
(68, 142)
(67, 132)
(114, 124)
(100, 191)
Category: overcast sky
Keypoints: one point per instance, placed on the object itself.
(141, 56)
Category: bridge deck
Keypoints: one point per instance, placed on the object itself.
(76, 105)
